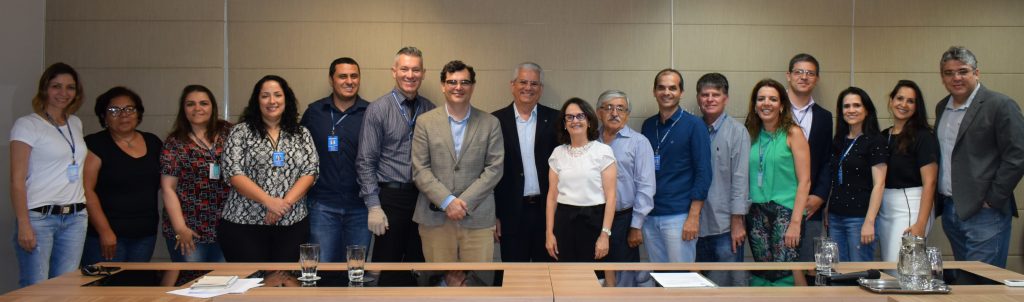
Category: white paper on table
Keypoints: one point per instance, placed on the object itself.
(239, 287)
(682, 280)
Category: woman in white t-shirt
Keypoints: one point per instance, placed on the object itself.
(581, 196)
(47, 151)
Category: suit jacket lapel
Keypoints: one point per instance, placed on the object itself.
(542, 127)
(447, 133)
(972, 112)
(514, 127)
(469, 135)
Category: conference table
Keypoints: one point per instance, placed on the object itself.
(509, 282)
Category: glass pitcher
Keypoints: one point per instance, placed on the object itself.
(913, 268)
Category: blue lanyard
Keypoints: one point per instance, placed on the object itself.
(338, 122)
(658, 133)
(410, 121)
(843, 157)
(70, 142)
(761, 152)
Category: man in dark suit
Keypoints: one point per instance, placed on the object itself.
(981, 144)
(802, 75)
(529, 131)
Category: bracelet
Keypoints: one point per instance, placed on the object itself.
(607, 231)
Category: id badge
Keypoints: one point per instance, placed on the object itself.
(73, 173)
(760, 179)
(657, 162)
(332, 143)
(214, 171)
(278, 157)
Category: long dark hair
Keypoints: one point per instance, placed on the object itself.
(182, 127)
(754, 122)
(917, 122)
(870, 126)
(289, 120)
(563, 135)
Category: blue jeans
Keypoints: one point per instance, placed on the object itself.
(845, 230)
(984, 237)
(59, 241)
(128, 250)
(336, 228)
(204, 252)
(718, 248)
(663, 238)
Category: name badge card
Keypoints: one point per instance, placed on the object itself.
(73, 173)
(332, 143)
(214, 171)
(278, 157)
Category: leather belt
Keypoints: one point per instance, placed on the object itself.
(532, 199)
(397, 185)
(628, 210)
(60, 209)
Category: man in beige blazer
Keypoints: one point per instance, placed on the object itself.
(457, 159)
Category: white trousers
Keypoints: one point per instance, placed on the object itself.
(900, 208)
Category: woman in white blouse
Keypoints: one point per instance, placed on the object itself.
(581, 196)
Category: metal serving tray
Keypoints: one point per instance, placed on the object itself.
(892, 286)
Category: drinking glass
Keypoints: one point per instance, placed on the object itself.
(356, 262)
(823, 262)
(935, 262)
(309, 258)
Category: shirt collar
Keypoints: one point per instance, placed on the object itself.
(452, 119)
(970, 99)
(806, 107)
(624, 132)
(360, 104)
(718, 122)
(674, 117)
(533, 113)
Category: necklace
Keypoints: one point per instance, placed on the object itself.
(125, 141)
(578, 151)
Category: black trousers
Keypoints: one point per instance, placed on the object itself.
(576, 231)
(618, 246)
(262, 243)
(401, 242)
(523, 240)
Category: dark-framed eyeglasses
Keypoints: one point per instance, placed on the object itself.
(454, 83)
(579, 117)
(121, 111)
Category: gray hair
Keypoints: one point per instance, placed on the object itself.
(411, 51)
(612, 94)
(528, 66)
(961, 54)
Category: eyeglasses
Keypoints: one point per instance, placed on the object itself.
(454, 83)
(579, 117)
(614, 108)
(802, 72)
(952, 73)
(528, 83)
(121, 111)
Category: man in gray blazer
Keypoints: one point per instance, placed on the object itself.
(457, 159)
(981, 143)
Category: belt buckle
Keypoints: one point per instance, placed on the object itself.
(64, 210)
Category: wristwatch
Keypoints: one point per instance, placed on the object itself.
(607, 231)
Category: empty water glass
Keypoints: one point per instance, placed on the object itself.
(935, 262)
(309, 258)
(356, 262)
(823, 259)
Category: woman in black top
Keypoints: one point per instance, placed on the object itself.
(858, 176)
(913, 170)
(121, 179)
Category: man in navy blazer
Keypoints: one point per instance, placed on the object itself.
(803, 75)
(981, 149)
(529, 131)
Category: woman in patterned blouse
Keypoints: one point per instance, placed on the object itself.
(270, 162)
(192, 187)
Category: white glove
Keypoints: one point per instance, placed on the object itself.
(377, 221)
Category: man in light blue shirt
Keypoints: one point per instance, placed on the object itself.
(722, 231)
(634, 184)
(457, 159)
